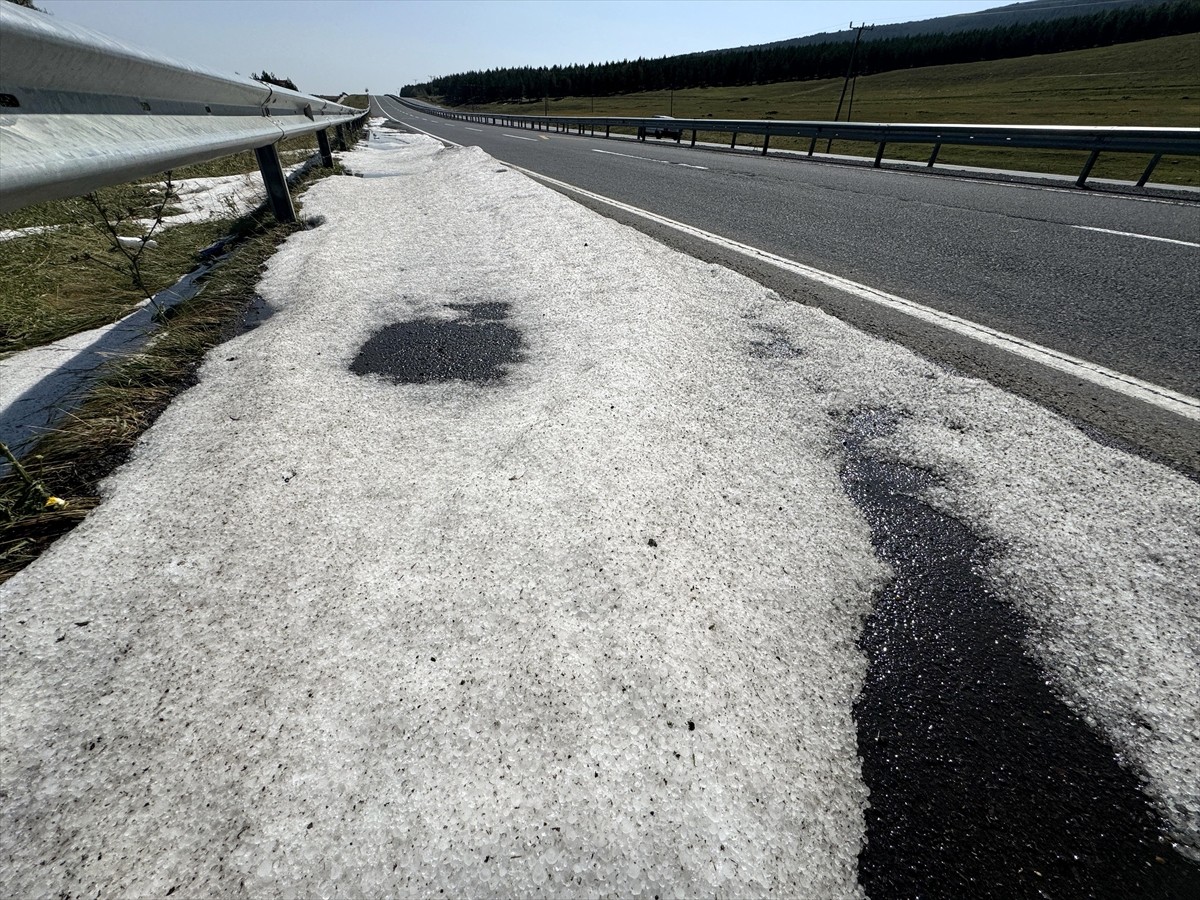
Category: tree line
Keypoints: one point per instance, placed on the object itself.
(768, 64)
(270, 78)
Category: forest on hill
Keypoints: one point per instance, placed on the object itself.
(770, 63)
(1026, 12)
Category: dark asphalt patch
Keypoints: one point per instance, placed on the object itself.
(474, 348)
(983, 783)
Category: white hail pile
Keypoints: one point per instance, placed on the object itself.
(589, 629)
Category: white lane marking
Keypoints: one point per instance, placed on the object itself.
(1076, 192)
(1129, 386)
(665, 162)
(517, 137)
(1134, 234)
(469, 128)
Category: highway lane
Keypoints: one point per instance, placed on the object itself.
(1104, 277)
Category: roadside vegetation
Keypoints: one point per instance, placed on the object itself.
(59, 281)
(1149, 83)
(48, 290)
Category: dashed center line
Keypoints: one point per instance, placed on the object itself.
(665, 162)
(1134, 234)
(518, 137)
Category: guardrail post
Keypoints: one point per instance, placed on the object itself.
(933, 156)
(276, 182)
(733, 143)
(766, 141)
(340, 132)
(879, 154)
(693, 137)
(1087, 168)
(323, 146)
(607, 128)
(812, 145)
(1150, 168)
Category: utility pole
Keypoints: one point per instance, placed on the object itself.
(849, 73)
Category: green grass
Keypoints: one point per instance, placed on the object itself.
(358, 101)
(50, 289)
(1150, 83)
(55, 283)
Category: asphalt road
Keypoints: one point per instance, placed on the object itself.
(1019, 258)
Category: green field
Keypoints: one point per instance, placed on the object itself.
(1149, 83)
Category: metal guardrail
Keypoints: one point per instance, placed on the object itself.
(1157, 142)
(79, 111)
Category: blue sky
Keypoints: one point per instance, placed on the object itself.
(328, 46)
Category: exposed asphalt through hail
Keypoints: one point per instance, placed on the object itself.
(476, 347)
(983, 783)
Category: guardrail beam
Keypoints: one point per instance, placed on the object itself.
(88, 112)
(276, 182)
(1122, 139)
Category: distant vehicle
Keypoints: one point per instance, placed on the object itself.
(661, 131)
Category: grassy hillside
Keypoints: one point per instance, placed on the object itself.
(1146, 83)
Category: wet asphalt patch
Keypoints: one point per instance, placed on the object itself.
(983, 783)
(477, 347)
